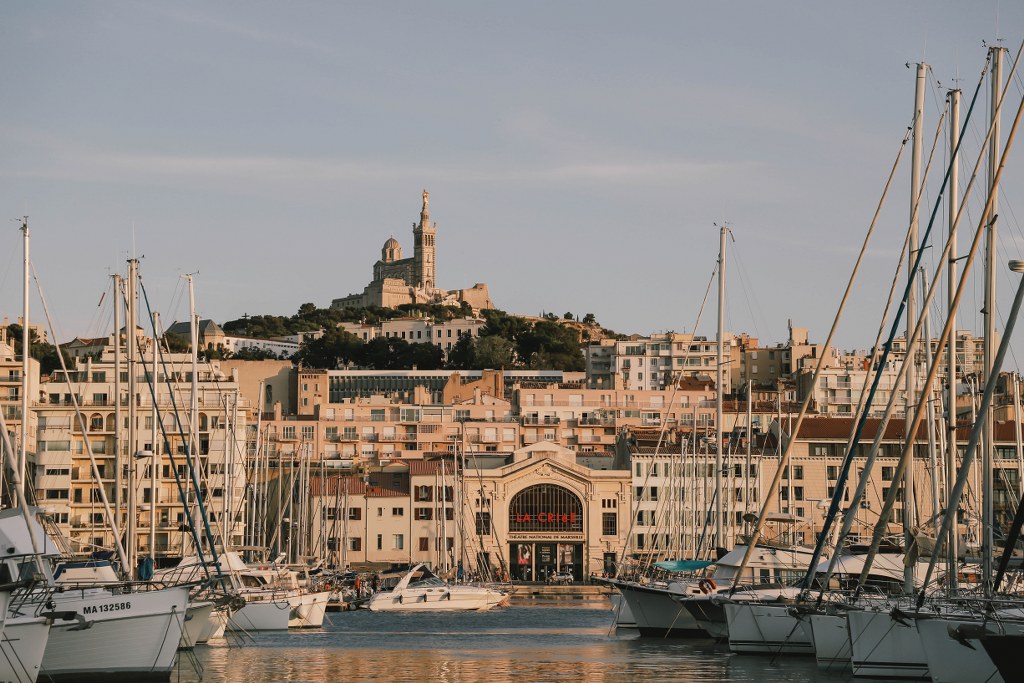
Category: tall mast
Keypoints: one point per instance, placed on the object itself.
(987, 441)
(154, 458)
(193, 420)
(951, 375)
(25, 354)
(912, 316)
(719, 385)
(118, 420)
(131, 326)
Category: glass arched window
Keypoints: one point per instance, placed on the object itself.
(545, 507)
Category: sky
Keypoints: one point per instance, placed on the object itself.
(579, 156)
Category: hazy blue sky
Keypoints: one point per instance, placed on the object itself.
(577, 154)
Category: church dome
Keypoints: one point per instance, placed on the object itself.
(391, 251)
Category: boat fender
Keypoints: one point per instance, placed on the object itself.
(707, 586)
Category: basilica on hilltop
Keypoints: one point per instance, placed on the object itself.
(398, 280)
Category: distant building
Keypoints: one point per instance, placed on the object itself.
(398, 280)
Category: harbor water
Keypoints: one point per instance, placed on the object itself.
(551, 642)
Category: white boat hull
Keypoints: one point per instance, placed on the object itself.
(657, 613)
(308, 610)
(831, 641)
(22, 648)
(447, 599)
(950, 660)
(197, 620)
(757, 628)
(269, 615)
(132, 635)
(882, 647)
(216, 624)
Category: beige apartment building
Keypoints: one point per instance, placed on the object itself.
(12, 387)
(65, 486)
(675, 504)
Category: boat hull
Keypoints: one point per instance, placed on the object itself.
(267, 615)
(22, 648)
(448, 599)
(757, 628)
(883, 647)
(658, 614)
(308, 610)
(957, 660)
(131, 636)
(831, 641)
(197, 620)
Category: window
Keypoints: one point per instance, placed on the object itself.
(423, 513)
(57, 494)
(398, 541)
(355, 543)
(832, 472)
(288, 432)
(355, 513)
(798, 492)
(887, 473)
(380, 541)
(424, 494)
(609, 523)
(483, 523)
(307, 431)
(397, 512)
(610, 503)
(798, 471)
(424, 544)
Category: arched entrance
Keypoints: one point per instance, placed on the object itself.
(545, 533)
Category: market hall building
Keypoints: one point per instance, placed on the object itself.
(549, 508)
(540, 509)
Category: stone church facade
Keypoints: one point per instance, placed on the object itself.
(398, 280)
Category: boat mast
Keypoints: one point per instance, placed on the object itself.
(719, 384)
(987, 441)
(131, 326)
(193, 420)
(953, 200)
(933, 462)
(118, 423)
(25, 354)
(912, 395)
(154, 457)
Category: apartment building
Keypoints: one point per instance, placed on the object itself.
(12, 387)
(154, 464)
(651, 363)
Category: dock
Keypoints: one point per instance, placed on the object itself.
(527, 593)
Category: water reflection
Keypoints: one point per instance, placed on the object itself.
(521, 643)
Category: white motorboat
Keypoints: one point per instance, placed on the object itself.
(420, 590)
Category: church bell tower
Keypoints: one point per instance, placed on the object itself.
(424, 236)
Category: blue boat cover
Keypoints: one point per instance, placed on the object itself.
(682, 565)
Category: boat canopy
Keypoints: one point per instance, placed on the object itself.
(682, 565)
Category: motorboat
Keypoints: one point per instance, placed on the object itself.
(420, 589)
